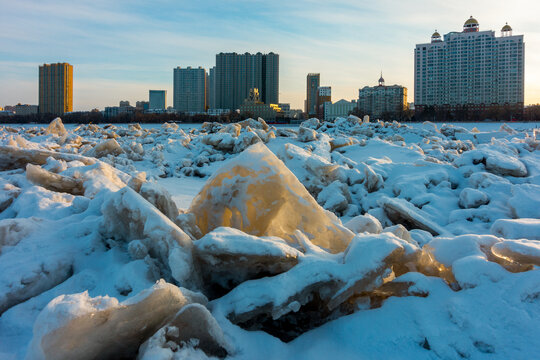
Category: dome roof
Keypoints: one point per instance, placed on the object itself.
(436, 34)
(471, 21)
(506, 28)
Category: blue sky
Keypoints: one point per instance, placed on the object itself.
(121, 49)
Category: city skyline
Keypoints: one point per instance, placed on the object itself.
(121, 50)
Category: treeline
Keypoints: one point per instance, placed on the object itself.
(401, 116)
(460, 114)
(467, 113)
(96, 117)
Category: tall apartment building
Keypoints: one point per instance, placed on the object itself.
(376, 100)
(324, 95)
(469, 68)
(55, 88)
(211, 88)
(236, 74)
(157, 99)
(312, 87)
(189, 89)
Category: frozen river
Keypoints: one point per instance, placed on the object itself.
(481, 126)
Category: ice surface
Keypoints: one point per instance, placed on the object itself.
(383, 294)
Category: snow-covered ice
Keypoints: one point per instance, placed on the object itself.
(354, 239)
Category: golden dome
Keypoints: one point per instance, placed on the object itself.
(506, 28)
(471, 21)
(436, 34)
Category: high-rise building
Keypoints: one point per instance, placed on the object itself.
(157, 99)
(469, 68)
(324, 95)
(236, 74)
(55, 88)
(211, 88)
(189, 93)
(313, 83)
(376, 100)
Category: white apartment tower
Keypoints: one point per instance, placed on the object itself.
(189, 89)
(469, 68)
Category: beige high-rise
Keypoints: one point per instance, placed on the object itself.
(55, 88)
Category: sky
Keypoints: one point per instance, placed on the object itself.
(121, 49)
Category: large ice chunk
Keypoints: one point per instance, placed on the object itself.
(256, 193)
(364, 223)
(304, 297)
(521, 251)
(56, 127)
(15, 158)
(517, 228)
(402, 212)
(193, 328)
(128, 216)
(80, 327)
(159, 197)
(229, 257)
(54, 182)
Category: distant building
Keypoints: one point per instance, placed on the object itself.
(211, 88)
(285, 106)
(376, 100)
(124, 103)
(55, 88)
(324, 95)
(236, 74)
(312, 87)
(110, 112)
(255, 108)
(113, 111)
(157, 99)
(341, 108)
(218, 112)
(189, 89)
(142, 105)
(26, 109)
(470, 68)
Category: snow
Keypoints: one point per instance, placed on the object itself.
(351, 239)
